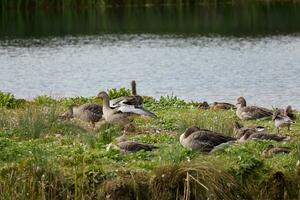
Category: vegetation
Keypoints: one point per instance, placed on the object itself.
(44, 157)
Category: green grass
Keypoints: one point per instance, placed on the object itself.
(44, 157)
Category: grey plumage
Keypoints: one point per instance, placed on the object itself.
(131, 104)
(203, 140)
(121, 115)
(271, 150)
(251, 135)
(136, 110)
(245, 112)
(222, 106)
(127, 146)
(134, 99)
(91, 113)
(281, 121)
(239, 130)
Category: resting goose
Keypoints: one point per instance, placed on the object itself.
(239, 130)
(127, 146)
(245, 112)
(202, 139)
(91, 113)
(121, 115)
(134, 99)
(252, 135)
(204, 105)
(281, 121)
(271, 150)
(221, 105)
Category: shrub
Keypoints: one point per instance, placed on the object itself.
(44, 100)
(115, 93)
(7, 100)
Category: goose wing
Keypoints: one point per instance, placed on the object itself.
(256, 112)
(128, 100)
(277, 150)
(94, 108)
(135, 109)
(266, 136)
(211, 137)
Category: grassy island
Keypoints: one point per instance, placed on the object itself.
(44, 157)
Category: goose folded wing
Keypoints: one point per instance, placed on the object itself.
(282, 150)
(263, 111)
(211, 137)
(266, 136)
(94, 108)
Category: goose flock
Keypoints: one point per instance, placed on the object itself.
(121, 111)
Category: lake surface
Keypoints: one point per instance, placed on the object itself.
(215, 54)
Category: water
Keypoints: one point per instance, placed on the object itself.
(200, 64)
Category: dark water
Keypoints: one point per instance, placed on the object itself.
(221, 19)
(214, 53)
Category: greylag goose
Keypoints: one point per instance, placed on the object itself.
(134, 99)
(127, 146)
(245, 112)
(252, 135)
(239, 130)
(202, 139)
(271, 150)
(91, 113)
(288, 111)
(222, 106)
(121, 115)
(281, 121)
(204, 105)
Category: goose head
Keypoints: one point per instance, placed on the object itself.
(188, 132)
(245, 135)
(236, 129)
(102, 95)
(266, 152)
(105, 98)
(241, 102)
(191, 130)
(288, 110)
(133, 88)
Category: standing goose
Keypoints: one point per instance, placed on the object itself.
(121, 115)
(281, 121)
(127, 146)
(289, 113)
(202, 139)
(245, 112)
(134, 99)
(271, 150)
(91, 113)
